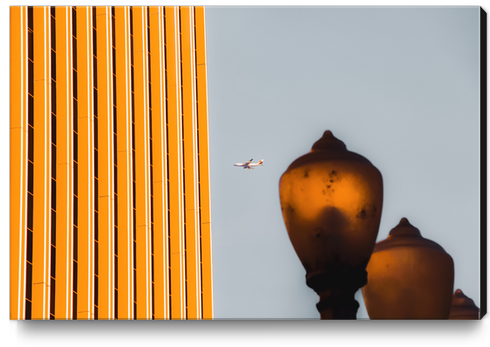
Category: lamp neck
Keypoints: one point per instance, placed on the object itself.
(337, 287)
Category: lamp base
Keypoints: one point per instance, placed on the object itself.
(337, 287)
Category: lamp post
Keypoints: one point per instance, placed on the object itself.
(463, 307)
(331, 201)
(410, 277)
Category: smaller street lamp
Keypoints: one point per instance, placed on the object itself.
(463, 307)
(331, 201)
(410, 277)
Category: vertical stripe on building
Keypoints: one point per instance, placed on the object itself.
(42, 170)
(64, 165)
(115, 172)
(19, 160)
(52, 282)
(75, 162)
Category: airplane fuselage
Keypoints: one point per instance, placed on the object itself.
(249, 165)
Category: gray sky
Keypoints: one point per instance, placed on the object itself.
(399, 86)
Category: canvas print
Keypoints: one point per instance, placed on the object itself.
(210, 163)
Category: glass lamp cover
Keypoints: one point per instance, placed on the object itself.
(463, 307)
(331, 201)
(409, 277)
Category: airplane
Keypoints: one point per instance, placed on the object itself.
(249, 165)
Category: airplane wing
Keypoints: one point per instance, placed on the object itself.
(247, 165)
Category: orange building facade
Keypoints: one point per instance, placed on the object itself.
(109, 171)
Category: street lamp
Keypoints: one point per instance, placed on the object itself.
(463, 307)
(331, 201)
(410, 277)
